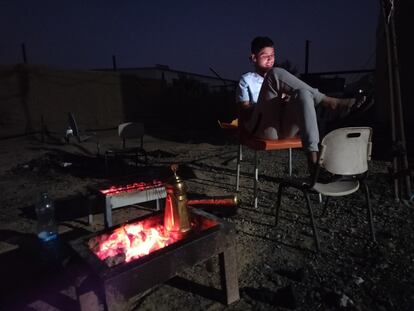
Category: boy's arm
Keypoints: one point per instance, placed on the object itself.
(244, 106)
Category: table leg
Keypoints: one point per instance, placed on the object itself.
(228, 274)
(108, 214)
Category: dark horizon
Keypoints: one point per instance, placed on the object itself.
(187, 36)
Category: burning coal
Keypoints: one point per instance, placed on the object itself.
(129, 242)
(138, 239)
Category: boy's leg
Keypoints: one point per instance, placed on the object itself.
(274, 118)
(305, 114)
(285, 82)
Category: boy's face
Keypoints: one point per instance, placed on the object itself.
(264, 59)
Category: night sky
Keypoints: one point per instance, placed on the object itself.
(188, 35)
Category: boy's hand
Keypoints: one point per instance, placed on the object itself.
(244, 105)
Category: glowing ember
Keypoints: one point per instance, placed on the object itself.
(138, 186)
(135, 240)
(130, 242)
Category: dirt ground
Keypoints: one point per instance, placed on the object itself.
(278, 268)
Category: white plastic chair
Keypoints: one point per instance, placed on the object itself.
(345, 152)
(128, 131)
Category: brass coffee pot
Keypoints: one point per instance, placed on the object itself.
(176, 217)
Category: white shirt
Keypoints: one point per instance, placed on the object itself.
(249, 87)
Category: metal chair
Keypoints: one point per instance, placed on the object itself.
(344, 152)
(128, 131)
(258, 144)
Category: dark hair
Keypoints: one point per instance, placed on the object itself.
(259, 43)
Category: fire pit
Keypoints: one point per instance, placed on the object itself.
(136, 256)
(138, 239)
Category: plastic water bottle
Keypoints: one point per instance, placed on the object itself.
(47, 228)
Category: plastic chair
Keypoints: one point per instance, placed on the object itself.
(344, 152)
(128, 131)
(258, 144)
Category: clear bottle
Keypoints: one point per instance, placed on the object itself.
(46, 228)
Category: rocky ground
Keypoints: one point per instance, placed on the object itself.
(278, 268)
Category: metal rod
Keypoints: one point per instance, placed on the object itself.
(239, 159)
(218, 76)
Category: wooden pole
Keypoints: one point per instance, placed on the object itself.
(400, 161)
(400, 116)
(24, 53)
(391, 103)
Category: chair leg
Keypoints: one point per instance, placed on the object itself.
(144, 153)
(278, 203)
(320, 198)
(106, 164)
(290, 161)
(256, 178)
(315, 232)
(98, 149)
(241, 152)
(369, 210)
(141, 152)
(325, 206)
(136, 159)
(239, 159)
